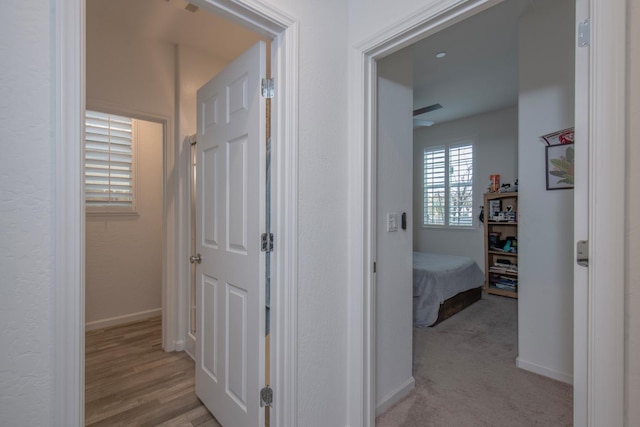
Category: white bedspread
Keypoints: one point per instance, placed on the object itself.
(437, 277)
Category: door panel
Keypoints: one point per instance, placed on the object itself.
(230, 217)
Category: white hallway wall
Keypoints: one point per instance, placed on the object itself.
(124, 252)
(495, 151)
(545, 228)
(26, 213)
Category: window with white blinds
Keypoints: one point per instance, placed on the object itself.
(109, 163)
(448, 185)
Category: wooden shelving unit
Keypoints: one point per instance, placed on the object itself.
(500, 244)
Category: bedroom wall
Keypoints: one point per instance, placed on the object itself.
(495, 136)
(124, 252)
(127, 71)
(545, 244)
(394, 310)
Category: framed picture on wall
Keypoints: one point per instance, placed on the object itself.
(560, 162)
(564, 136)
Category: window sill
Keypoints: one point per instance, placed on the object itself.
(111, 213)
(449, 227)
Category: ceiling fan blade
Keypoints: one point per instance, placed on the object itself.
(426, 109)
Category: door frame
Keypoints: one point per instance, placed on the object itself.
(601, 381)
(68, 99)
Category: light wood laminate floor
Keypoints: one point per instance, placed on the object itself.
(131, 381)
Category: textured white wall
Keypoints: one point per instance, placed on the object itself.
(26, 213)
(394, 285)
(123, 261)
(322, 211)
(545, 230)
(633, 222)
(370, 17)
(495, 151)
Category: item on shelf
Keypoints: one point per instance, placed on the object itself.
(495, 206)
(494, 237)
(495, 183)
(505, 188)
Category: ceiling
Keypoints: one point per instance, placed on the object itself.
(168, 21)
(479, 73)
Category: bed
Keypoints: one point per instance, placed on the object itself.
(442, 286)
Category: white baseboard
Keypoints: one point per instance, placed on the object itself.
(394, 396)
(545, 372)
(120, 320)
(191, 346)
(180, 345)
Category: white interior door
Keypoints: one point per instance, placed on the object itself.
(230, 218)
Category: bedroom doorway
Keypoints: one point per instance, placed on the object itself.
(270, 24)
(496, 131)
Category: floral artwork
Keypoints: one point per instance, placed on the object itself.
(560, 161)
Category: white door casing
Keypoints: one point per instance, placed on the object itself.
(230, 218)
(580, 223)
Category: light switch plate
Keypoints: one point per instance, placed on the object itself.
(392, 221)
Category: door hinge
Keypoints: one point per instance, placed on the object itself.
(582, 253)
(266, 242)
(584, 33)
(268, 88)
(375, 266)
(266, 397)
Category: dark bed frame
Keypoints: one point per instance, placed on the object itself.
(458, 303)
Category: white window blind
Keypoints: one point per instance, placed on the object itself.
(448, 186)
(109, 163)
(434, 186)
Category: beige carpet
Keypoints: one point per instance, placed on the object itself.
(466, 376)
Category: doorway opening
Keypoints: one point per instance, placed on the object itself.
(508, 124)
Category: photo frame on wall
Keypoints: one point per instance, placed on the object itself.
(560, 165)
(564, 136)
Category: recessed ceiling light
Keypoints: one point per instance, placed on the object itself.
(441, 54)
